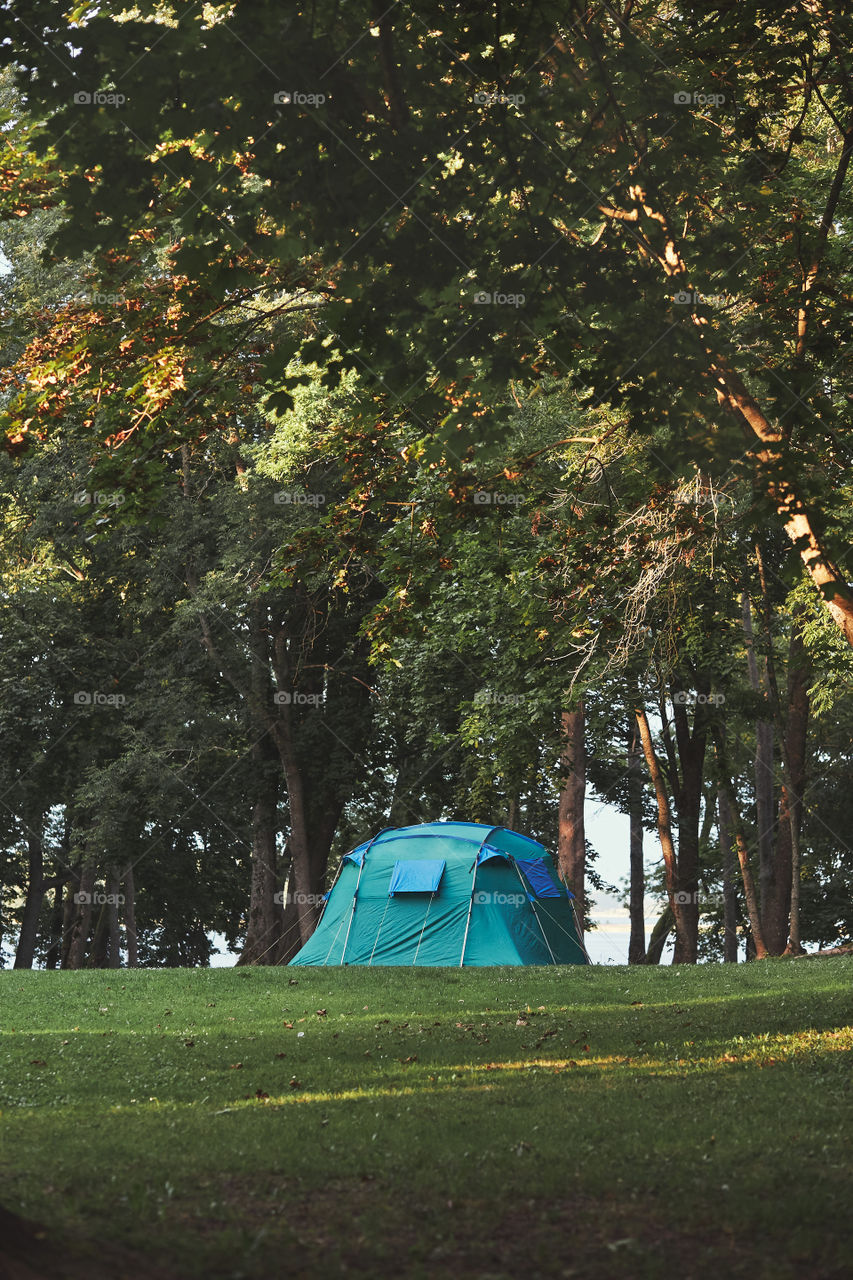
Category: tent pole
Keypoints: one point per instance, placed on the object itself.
(423, 926)
(326, 903)
(468, 921)
(535, 913)
(355, 892)
(379, 930)
(352, 913)
(578, 928)
(489, 833)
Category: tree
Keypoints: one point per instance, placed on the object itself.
(417, 183)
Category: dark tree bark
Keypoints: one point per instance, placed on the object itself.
(637, 940)
(99, 951)
(290, 936)
(264, 928)
(130, 919)
(53, 957)
(768, 890)
(571, 841)
(724, 777)
(677, 905)
(113, 930)
(724, 825)
(691, 746)
(69, 915)
(780, 909)
(81, 919)
(663, 928)
(26, 949)
(791, 799)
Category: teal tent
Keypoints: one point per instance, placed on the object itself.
(446, 893)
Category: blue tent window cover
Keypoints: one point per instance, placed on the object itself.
(538, 878)
(416, 875)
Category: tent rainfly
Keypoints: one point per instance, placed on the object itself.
(446, 893)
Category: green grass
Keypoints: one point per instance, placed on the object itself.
(489, 1123)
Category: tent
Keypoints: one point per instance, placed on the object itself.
(446, 893)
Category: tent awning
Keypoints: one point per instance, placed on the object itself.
(488, 851)
(416, 875)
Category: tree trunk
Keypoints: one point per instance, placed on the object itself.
(660, 933)
(791, 799)
(82, 918)
(780, 916)
(673, 888)
(768, 888)
(290, 940)
(571, 840)
(26, 949)
(636, 908)
(69, 915)
(113, 931)
(691, 746)
(727, 786)
(53, 957)
(130, 919)
(724, 826)
(100, 939)
(264, 928)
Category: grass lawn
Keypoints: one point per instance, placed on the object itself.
(490, 1123)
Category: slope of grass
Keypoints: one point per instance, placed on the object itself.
(601, 1122)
